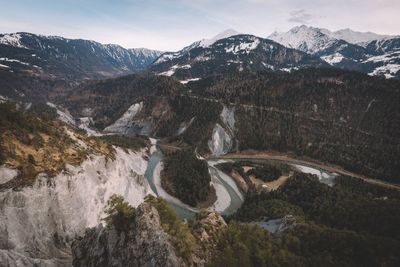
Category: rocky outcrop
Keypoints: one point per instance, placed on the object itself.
(143, 243)
(125, 122)
(221, 142)
(207, 232)
(7, 174)
(228, 117)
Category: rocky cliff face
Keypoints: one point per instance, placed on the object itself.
(207, 232)
(38, 223)
(144, 243)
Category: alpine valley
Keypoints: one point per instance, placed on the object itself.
(237, 150)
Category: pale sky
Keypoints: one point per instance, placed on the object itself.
(170, 25)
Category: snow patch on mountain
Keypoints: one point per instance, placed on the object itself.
(244, 47)
(13, 39)
(387, 64)
(388, 70)
(172, 70)
(169, 72)
(384, 58)
(268, 66)
(289, 69)
(202, 58)
(189, 80)
(3, 99)
(14, 61)
(166, 57)
(384, 46)
(333, 59)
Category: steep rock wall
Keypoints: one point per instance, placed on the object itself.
(38, 223)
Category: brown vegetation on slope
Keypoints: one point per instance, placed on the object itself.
(36, 145)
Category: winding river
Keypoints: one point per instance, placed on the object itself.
(229, 197)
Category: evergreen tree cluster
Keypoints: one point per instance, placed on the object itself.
(187, 177)
(350, 224)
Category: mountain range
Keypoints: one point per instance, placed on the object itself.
(234, 53)
(54, 57)
(366, 52)
(311, 39)
(61, 58)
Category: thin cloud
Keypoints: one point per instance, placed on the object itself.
(300, 16)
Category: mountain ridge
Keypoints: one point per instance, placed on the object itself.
(336, 51)
(348, 35)
(234, 53)
(73, 59)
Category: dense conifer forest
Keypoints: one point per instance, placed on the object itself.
(335, 226)
(186, 177)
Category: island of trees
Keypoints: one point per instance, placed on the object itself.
(187, 178)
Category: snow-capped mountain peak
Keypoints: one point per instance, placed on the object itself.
(312, 40)
(355, 37)
(203, 43)
(305, 38)
(221, 35)
(372, 53)
(13, 39)
(234, 53)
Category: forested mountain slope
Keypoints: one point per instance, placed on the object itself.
(340, 117)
